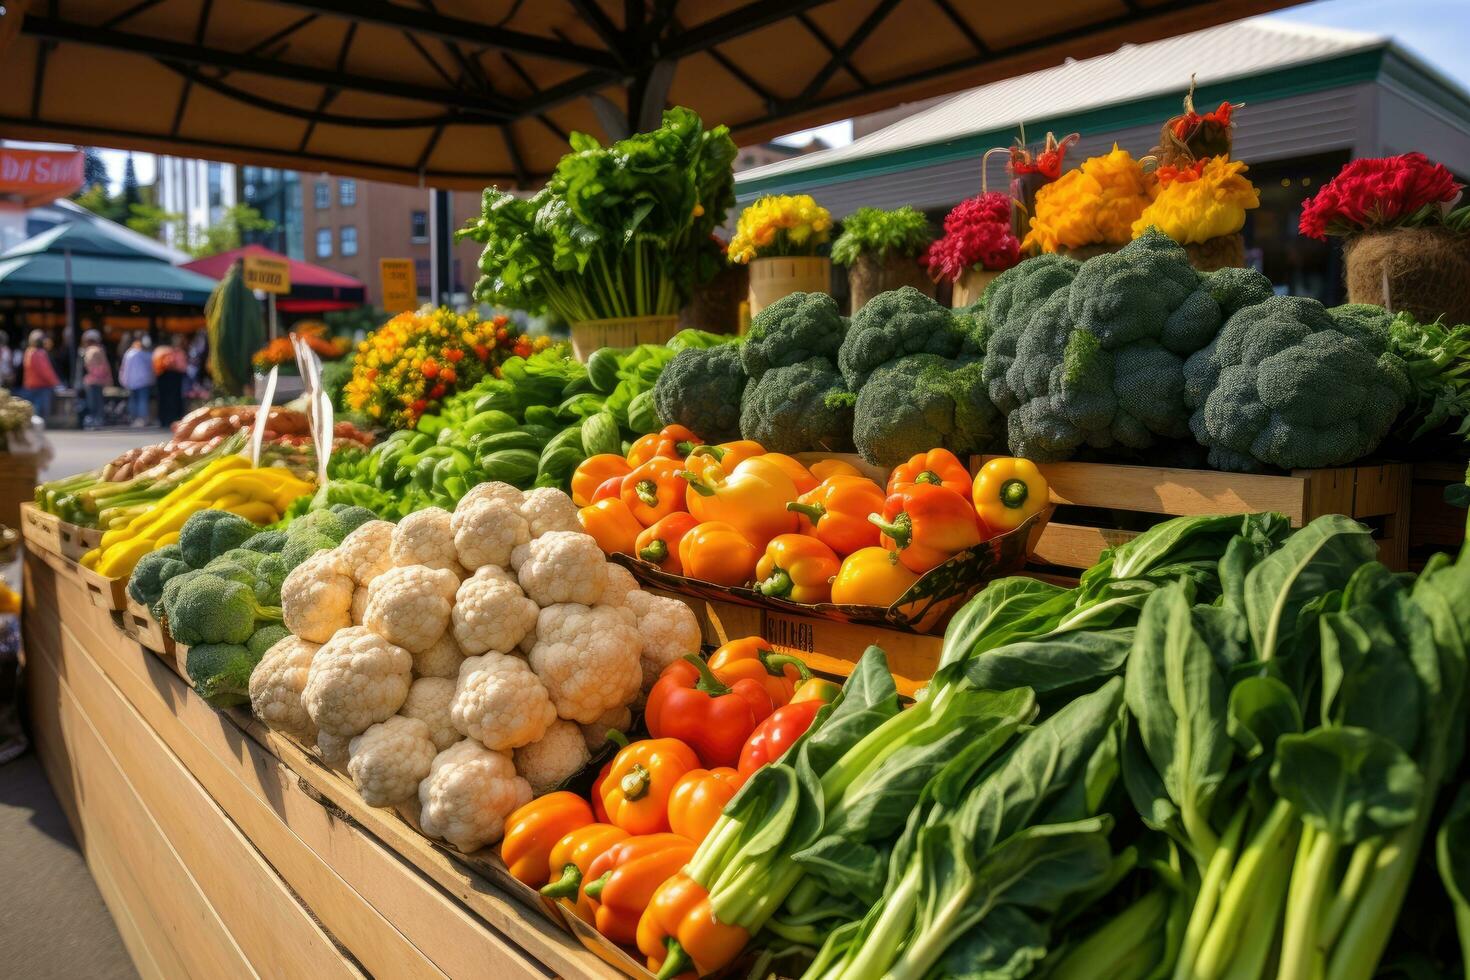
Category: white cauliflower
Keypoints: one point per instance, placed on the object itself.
(409, 605)
(588, 659)
(518, 556)
(356, 679)
(389, 760)
(366, 553)
(486, 532)
(469, 792)
(276, 684)
(333, 748)
(500, 702)
(548, 509)
(428, 700)
(494, 490)
(316, 598)
(491, 615)
(617, 583)
(425, 538)
(668, 629)
(614, 719)
(360, 596)
(495, 573)
(552, 758)
(563, 566)
(440, 660)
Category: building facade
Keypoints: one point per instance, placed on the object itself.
(201, 192)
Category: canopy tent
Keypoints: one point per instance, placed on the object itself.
(78, 259)
(460, 93)
(313, 288)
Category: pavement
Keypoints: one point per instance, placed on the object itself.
(78, 450)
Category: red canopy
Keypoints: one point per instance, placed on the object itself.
(313, 288)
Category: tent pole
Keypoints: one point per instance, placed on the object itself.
(441, 248)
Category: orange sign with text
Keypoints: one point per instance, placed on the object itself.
(400, 285)
(35, 177)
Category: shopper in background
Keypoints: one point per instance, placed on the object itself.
(7, 363)
(137, 376)
(96, 375)
(38, 375)
(170, 364)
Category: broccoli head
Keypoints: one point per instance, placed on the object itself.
(266, 542)
(266, 637)
(351, 516)
(896, 324)
(1289, 384)
(151, 573)
(269, 575)
(323, 522)
(211, 609)
(790, 330)
(300, 547)
(923, 402)
(798, 408)
(208, 533)
(700, 389)
(221, 672)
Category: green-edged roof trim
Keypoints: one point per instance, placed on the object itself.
(1361, 66)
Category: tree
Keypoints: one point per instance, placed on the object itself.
(96, 199)
(239, 221)
(130, 195)
(94, 169)
(153, 221)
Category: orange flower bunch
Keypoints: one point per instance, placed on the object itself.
(314, 332)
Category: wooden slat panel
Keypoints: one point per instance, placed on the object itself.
(1076, 546)
(833, 647)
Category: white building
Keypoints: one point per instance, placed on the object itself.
(201, 191)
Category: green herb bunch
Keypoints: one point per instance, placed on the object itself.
(619, 231)
(901, 233)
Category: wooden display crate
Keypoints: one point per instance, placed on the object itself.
(106, 593)
(138, 623)
(1434, 525)
(41, 531)
(76, 540)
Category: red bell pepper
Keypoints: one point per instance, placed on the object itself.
(691, 704)
(776, 734)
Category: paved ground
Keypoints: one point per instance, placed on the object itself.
(77, 450)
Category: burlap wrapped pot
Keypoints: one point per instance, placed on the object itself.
(1424, 271)
(870, 276)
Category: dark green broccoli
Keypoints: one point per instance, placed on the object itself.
(1288, 384)
(701, 388)
(322, 522)
(790, 330)
(351, 516)
(264, 638)
(153, 570)
(269, 575)
(302, 546)
(208, 533)
(237, 557)
(923, 402)
(895, 324)
(798, 408)
(266, 542)
(160, 606)
(221, 672)
(211, 609)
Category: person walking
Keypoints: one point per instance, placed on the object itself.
(170, 364)
(7, 363)
(38, 376)
(96, 375)
(137, 376)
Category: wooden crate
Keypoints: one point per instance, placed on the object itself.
(41, 531)
(1434, 525)
(1095, 499)
(106, 593)
(76, 541)
(138, 623)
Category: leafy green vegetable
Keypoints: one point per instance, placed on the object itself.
(902, 233)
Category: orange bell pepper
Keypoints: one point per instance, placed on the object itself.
(752, 657)
(679, 931)
(698, 798)
(570, 861)
(730, 454)
(826, 469)
(836, 512)
(752, 498)
(718, 553)
(612, 524)
(636, 790)
(654, 490)
(871, 577)
(1007, 492)
(803, 478)
(927, 525)
(621, 882)
(611, 487)
(534, 829)
(797, 567)
(659, 543)
(593, 472)
(938, 466)
(671, 442)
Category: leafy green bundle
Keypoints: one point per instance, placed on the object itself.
(901, 233)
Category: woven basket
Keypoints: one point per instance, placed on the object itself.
(1423, 271)
(968, 287)
(868, 277)
(770, 279)
(1220, 252)
(630, 331)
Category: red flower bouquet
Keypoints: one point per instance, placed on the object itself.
(1381, 193)
(977, 234)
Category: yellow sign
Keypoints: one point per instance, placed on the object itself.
(267, 274)
(400, 285)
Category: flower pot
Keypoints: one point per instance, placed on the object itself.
(715, 306)
(589, 335)
(870, 276)
(1220, 252)
(770, 279)
(1422, 271)
(968, 287)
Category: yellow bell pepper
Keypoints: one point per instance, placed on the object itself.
(752, 498)
(871, 577)
(797, 567)
(1007, 491)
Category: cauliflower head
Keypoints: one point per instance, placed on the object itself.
(618, 582)
(486, 532)
(491, 615)
(590, 661)
(428, 700)
(469, 792)
(356, 679)
(549, 509)
(553, 758)
(425, 538)
(367, 552)
(389, 760)
(500, 702)
(409, 605)
(563, 566)
(316, 598)
(614, 719)
(333, 748)
(494, 490)
(668, 630)
(276, 684)
(440, 660)
(360, 596)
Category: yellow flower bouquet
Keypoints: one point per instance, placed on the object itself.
(1096, 204)
(1199, 202)
(789, 224)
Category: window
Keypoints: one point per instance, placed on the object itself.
(216, 190)
(349, 239)
(323, 192)
(324, 243)
(419, 226)
(346, 192)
